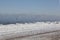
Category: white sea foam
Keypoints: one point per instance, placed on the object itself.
(18, 30)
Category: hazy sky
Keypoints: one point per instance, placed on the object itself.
(30, 6)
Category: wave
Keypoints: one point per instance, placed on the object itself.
(18, 30)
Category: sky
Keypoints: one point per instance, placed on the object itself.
(51, 7)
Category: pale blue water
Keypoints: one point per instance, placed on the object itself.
(12, 19)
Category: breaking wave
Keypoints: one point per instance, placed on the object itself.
(18, 30)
